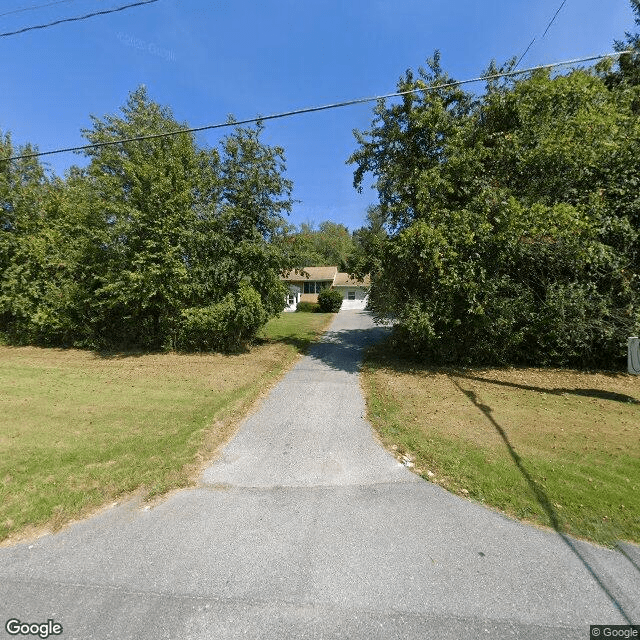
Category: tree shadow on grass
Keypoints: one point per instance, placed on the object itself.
(589, 393)
(301, 345)
(123, 354)
(383, 356)
(547, 506)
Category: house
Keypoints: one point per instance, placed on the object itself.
(292, 298)
(305, 288)
(354, 292)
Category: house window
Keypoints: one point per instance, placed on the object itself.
(291, 299)
(311, 286)
(351, 295)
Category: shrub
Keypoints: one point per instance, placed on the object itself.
(330, 300)
(308, 307)
(226, 325)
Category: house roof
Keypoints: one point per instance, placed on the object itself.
(343, 280)
(315, 273)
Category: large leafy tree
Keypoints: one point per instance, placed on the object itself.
(146, 198)
(249, 216)
(23, 186)
(409, 142)
(156, 244)
(188, 229)
(628, 67)
(24, 204)
(512, 219)
(365, 259)
(49, 282)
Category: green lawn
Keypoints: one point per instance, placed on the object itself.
(296, 329)
(79, 429)
(557, 448)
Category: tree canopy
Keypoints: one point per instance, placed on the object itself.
(507, 229)
(329, 244)
(157, 244)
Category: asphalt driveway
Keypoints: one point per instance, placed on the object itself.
(306, 528)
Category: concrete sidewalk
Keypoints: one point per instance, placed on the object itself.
(306, 528)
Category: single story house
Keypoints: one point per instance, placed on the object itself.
(354, 292)
(305, 288)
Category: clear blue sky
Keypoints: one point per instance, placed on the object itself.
(206, 59)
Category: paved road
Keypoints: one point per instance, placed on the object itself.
(306, 528)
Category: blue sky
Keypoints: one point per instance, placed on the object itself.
(208, 59)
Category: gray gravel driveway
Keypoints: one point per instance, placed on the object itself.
(306, 528)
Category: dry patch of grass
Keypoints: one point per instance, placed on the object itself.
(559, 448)
(79, 430)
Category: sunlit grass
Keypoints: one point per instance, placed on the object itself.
(79, 429)
(552, 447)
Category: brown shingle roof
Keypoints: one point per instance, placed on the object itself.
(315, 273)
(343, 280)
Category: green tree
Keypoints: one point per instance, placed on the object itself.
(512, 219)
(145, 194)
(255, 196)
(329, 244)
(23, 187)
(408, 144)
(628, 68)
(367, 245)
(24, 190)
(333, 243)
(157, 244)
(187, 229)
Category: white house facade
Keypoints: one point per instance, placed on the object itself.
(292, 298)
(312, 280)
(354, 292)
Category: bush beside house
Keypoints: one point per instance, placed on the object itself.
(330, 300)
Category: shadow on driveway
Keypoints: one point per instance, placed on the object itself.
(342, 350)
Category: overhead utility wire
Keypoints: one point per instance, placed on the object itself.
(39, 6)
(543, 35)
(554, 18)
(75, 19)
(325, 107)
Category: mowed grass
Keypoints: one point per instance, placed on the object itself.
(79, 430)
(556, 448)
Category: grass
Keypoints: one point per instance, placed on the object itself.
(298, 330)
(79, 430)
(557, 448)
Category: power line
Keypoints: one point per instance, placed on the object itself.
(525, 52)
(335, 105)
(554, 18)
(40, 6)
(543, 35)
(75, 19)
